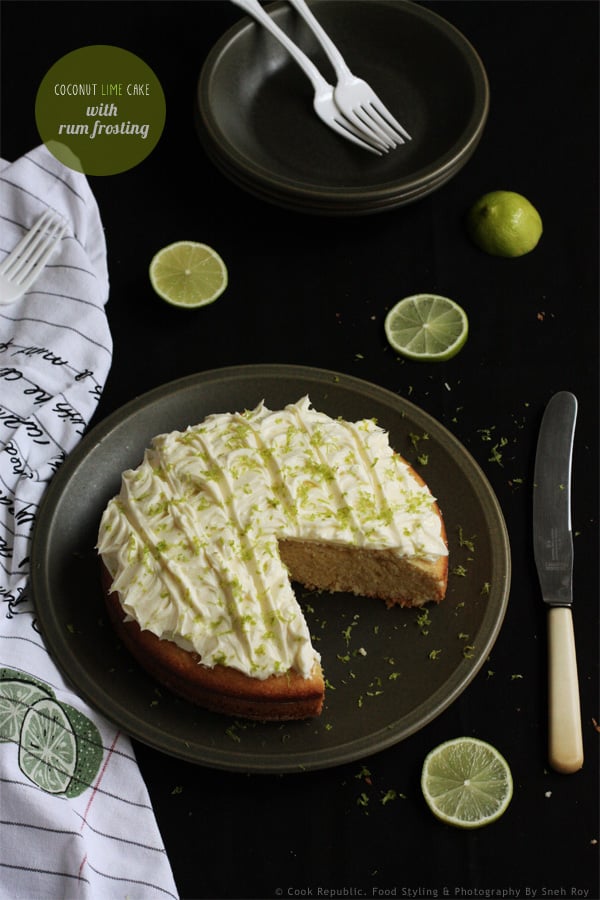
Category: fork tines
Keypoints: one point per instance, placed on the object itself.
(32, 251)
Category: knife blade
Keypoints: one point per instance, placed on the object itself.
(553, 552)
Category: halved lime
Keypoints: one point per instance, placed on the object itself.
(16, 697)
(188, 274)
(427, 327)
(466, 782)
(48, 749)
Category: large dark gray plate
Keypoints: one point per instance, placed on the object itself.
(257, 124)
(387, 678)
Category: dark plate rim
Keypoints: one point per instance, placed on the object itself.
(329, 206)
(217, 144)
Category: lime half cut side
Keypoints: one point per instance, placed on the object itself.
(16, 697)
(466, 782)
(188, 274)
(427, 327)
(48, 747)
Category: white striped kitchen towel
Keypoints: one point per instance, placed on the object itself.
(76, 820)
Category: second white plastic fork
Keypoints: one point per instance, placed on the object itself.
(24, 263)
(324, 104)
(353, 96)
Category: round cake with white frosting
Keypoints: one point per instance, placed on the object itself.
(202, 544)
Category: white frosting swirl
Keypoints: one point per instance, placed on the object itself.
(191, 541)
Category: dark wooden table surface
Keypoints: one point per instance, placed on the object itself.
(314, 291)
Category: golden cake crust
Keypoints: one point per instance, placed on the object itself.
(220, 689)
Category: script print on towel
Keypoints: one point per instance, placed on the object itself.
(37, 430)
(45, 403)
(77, 821)
(57, 747)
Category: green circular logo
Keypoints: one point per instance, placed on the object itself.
(100, 110)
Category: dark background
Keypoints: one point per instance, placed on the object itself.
(314, 291)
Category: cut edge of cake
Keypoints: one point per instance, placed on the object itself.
(332, 564)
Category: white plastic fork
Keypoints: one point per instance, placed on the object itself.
(323, 103)
(23, 265)
(354, 97)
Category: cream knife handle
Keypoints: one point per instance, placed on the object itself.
(565, 745)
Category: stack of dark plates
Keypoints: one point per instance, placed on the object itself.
(257, 124)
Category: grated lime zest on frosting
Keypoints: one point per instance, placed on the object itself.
(191, 541)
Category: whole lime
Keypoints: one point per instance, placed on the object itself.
(504, 223)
